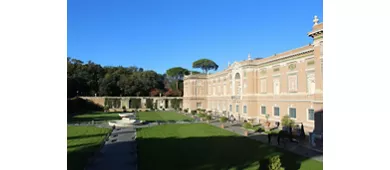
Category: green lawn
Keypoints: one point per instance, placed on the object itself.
(162, 116)
(96, 116)
(203, 146)
(83, 141)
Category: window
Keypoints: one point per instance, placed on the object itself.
(230, 108)
(198, 105)
(292, 83)
(292, 113)
(276, 111)
(276, 86)
(244, 109)
(311, 114)
(263, 110)
(311, 85)
(237, 108)
(263, 83)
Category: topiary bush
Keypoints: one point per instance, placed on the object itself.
(201, 115)
(208, 117)
(247, 125)
(193, 112)
(186, 110)
(287, 121)
(223, 119)
(274, 163)
(124, 108)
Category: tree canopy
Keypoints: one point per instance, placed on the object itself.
(88, 79)
(205, 65)
(177, 73)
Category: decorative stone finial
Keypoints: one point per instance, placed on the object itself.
(249, 56)
(315, 20)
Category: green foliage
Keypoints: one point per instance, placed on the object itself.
(223, 119)
(208, 117)
(112, 102)
(205, 65)
(149, 103)
(124, 108)
(135, 103)
(193, 112)
(247, 125)
(106, 108)
(175, 103)
(274, 163)
(177, 73)
(287, 121)
(155, 105)
(88, 79)
(201, 115)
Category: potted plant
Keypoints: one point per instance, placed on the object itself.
(193, 112)
(208, 118)
(223, 120)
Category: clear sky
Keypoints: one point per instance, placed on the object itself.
(160, 34)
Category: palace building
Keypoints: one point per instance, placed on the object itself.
(289, 83)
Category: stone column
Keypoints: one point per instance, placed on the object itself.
(143, 103)
(169, 103)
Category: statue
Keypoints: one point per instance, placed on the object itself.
(315, 20)
(249, 57)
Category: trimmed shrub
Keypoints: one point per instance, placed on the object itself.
(186, 110)
(201, 115)
(193, 112)
(208, 117)
(223, 119)
(287, 121)
(124, 108)
(274, 163)
(247, 125)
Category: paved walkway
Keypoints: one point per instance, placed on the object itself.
(119, 151)
(292, 147)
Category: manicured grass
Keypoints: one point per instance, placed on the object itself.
(96, 116)
(83, 141)
(203, 146)
(162, 116)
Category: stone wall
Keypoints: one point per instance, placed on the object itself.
(161, 101)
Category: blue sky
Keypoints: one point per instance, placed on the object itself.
(160, 34)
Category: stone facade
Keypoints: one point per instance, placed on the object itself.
(289, 83)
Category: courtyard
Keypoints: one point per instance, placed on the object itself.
(178, 146)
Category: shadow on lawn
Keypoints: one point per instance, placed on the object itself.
(86, 136)
(78, 159)
(228, 152)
